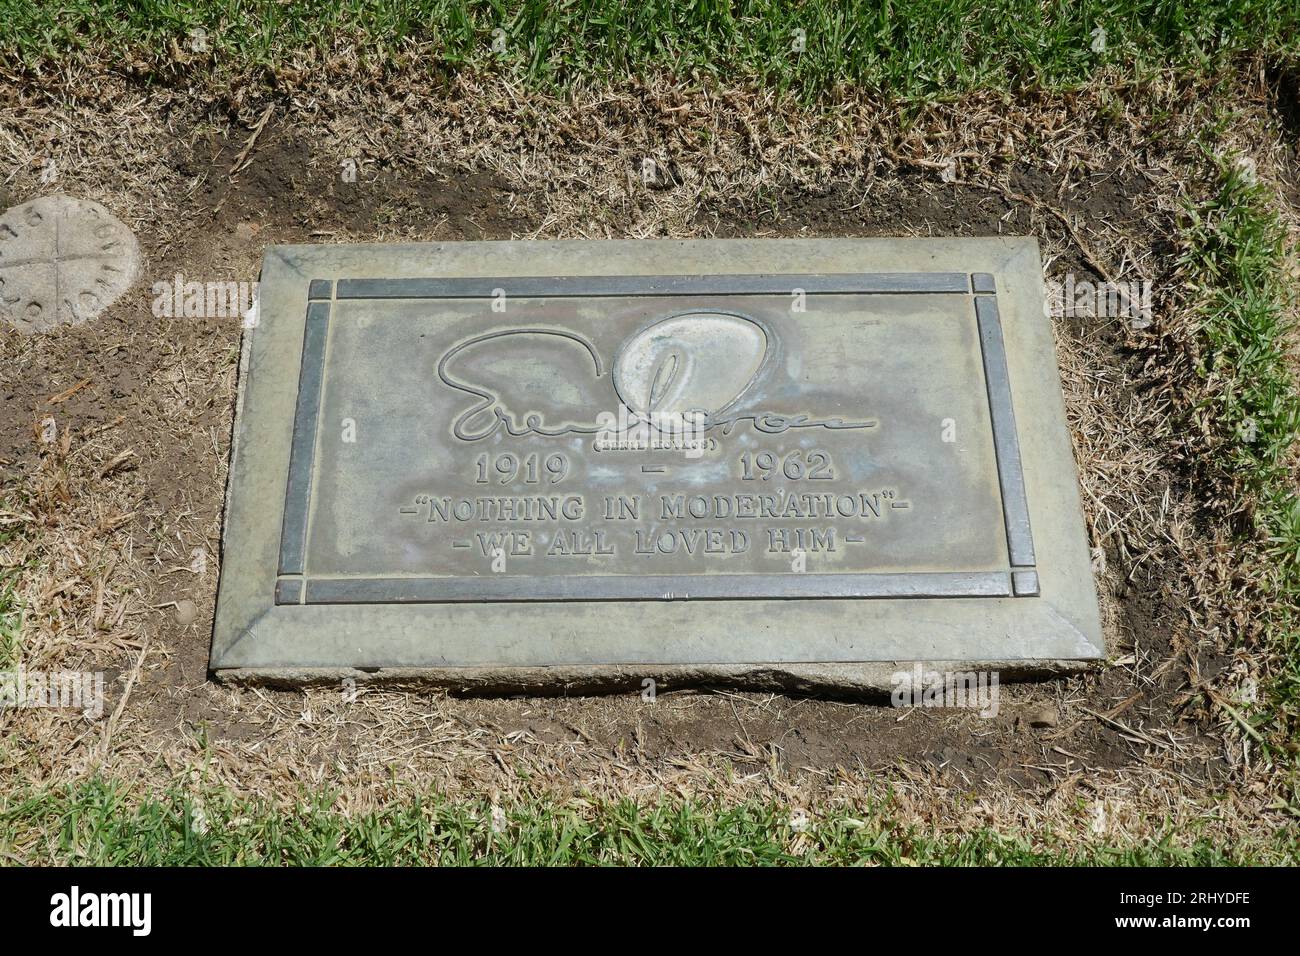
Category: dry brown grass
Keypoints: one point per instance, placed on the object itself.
(107, 519)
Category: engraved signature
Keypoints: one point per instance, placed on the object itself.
(660, 374)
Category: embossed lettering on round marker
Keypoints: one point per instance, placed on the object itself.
(62, 262)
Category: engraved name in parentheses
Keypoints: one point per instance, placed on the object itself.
(770, 423)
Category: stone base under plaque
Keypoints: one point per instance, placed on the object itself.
(573, 466)
(874, 681)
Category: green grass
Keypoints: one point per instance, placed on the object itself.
(1236, 257)
(10, 626)
(10, 611)
(97, 825)
(913, 48)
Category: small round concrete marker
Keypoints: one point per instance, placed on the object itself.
(62, 262)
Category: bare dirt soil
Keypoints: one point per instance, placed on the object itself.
(117, 521)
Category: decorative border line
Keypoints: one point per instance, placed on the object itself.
(297, 499)
(1011, 478)
(294, 587)
(653, 587)
(874, 283)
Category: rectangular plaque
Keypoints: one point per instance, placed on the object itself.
(669, 454)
